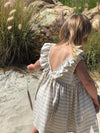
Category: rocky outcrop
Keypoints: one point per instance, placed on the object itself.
(47, 20)
(94, 16)
(48, 17)
(92, 12)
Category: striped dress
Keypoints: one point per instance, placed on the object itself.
(62, 104)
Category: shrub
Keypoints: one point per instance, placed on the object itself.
(80, 4)
(92, 51)
(16, 41)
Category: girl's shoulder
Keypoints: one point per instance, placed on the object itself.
(44, 54)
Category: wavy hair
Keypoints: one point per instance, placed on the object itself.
(75, 31)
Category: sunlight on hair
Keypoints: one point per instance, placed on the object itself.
(75, 31)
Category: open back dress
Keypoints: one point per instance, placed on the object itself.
(62, 104)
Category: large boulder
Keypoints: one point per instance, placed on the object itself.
(94, 16)
(47, 20)
(48, 17)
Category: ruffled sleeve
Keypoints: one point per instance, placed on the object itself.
(77, 59)
(44, 56)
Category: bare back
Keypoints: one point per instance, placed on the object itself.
(57, 55)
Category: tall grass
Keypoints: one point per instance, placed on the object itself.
(80, 4)
(16, 42)
(92, 51)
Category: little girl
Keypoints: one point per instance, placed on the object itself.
(66, 96)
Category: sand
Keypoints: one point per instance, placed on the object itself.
(15, 111)
(16, 115)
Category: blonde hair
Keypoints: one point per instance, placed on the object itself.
(75, 31)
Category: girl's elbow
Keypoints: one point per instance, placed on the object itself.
(88, 83)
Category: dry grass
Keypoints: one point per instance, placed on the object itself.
(16, 37)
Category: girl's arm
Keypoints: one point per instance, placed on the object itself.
(87, 82)
(34, 67)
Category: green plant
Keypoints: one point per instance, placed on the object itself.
(92, 51)
(16, 40)
(80, 5)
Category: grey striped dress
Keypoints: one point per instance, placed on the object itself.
(62, 104)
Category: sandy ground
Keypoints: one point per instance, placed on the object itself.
(15, 113)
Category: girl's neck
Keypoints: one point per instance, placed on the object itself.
(63, 44)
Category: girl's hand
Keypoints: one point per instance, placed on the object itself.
(31, 67)
(34, 67)
(96, 104)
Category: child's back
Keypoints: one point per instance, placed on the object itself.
(58, 54)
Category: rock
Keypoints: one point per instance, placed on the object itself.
(92, 12)
(47, 21)
(94, 16)
(38, 5)
(96, 22)
(48, 17)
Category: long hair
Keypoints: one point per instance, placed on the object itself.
(75, 31)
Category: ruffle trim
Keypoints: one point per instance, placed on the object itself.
(69, 63)
(44, 56)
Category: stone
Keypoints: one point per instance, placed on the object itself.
(96, 22)
(47, 21)
(94, 16)
(92, 12)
